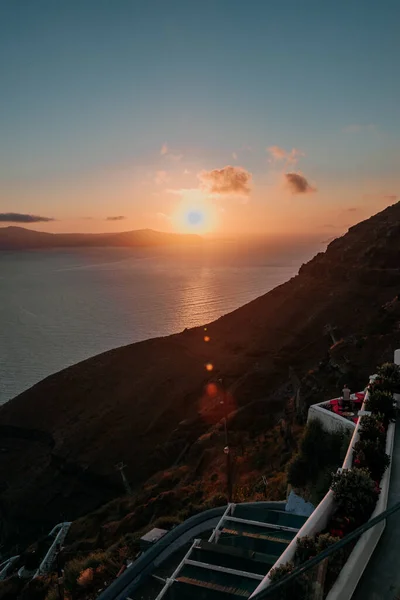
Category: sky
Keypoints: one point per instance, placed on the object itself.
(223, 116)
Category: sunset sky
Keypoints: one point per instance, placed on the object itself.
(224, 116)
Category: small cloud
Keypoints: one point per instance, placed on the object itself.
(163, 216)
(227, 181)
(161, 177)
(186, 172)
(279, 154)
(165, 151)
(356, 128)
(352, 209)
(234, 156)
(23, 218)
(117, 218)
(298, 184)
(328, 226)
(391, 197)
(174, 157)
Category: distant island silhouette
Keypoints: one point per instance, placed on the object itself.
(19, 238)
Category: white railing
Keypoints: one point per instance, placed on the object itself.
(319, 519)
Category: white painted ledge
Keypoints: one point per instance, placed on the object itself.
(350, 575)
(330, 421)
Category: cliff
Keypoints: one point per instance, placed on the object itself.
(147, 404)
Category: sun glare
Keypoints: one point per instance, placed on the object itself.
(194, 216)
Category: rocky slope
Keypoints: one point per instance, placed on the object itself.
(149, 403)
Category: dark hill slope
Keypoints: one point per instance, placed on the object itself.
(63, 437)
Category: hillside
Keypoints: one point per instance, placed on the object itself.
(19, 238)
(147, 404)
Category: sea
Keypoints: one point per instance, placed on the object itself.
(59, 307)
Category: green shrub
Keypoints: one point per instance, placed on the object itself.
(355, 493)
(320, 453)
(322, 484)
(381, 402)
(372, 428)
(336, 560)
(167, 522)
(298, 588)
(299, 471)
(389, 374)
(371, 455)
(103, 562)
(305, 549)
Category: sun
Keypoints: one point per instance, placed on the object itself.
(194, 216)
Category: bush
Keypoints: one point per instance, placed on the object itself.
(167, 522)
(372, 428)
(299, 471)
(389, 374)
(305, 549)
(371, 455)
(381, 402)
(322, 485)
(298, 588)
(91, 570)
(355, 493)
(336, 560)
(320, 452)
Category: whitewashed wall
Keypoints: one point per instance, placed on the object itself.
(329, 420)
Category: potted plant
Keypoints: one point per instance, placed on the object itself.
(372, 428)
(371, 455)
(381, 402)
(355, 494)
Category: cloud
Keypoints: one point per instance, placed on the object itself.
(298, 184)
(163, 216)
(356, 128)
(234, 156)
(352, 209)
(186, 172)
(329, 226)
(279, 154)
(161, 177)
(227, 181)
(117, 218)
(390, 197)
(165, 151)
(23, 218)
(174, 157)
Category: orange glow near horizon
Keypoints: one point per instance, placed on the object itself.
(194, 214)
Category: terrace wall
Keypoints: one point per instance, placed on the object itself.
(351, 573)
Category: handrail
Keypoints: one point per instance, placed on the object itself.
(312, 562)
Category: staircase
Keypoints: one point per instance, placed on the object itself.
(242, 549)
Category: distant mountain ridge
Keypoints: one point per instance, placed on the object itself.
(19, 238)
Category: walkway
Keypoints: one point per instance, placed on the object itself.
(244, 546)
(381, 579)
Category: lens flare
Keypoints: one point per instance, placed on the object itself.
(194, 215)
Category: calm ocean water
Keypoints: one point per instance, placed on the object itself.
(60, 307)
